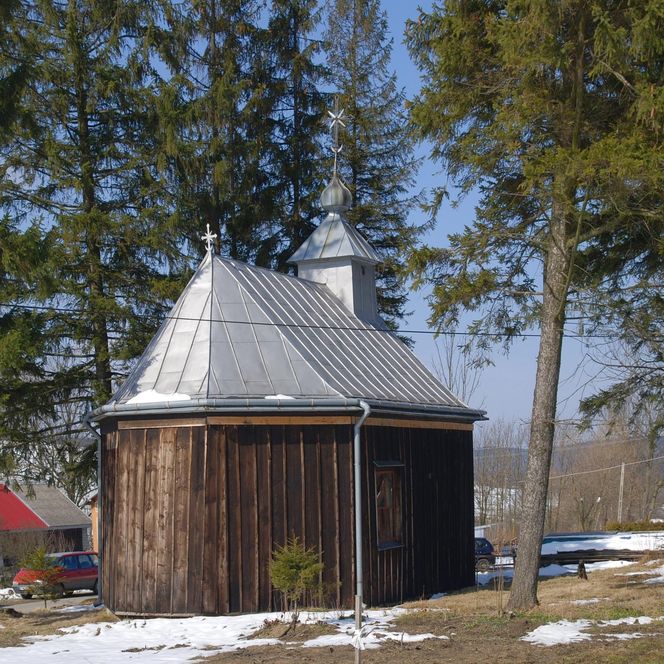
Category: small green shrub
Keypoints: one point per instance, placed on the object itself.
(47, 574)
(295, 573)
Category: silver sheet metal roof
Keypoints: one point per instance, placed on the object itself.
(53, 507)
(335, 238)
(239, 331)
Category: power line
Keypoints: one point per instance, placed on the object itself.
(599, 470)
(521, 335)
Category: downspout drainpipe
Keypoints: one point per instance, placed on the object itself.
(358, 525)
(97, 435)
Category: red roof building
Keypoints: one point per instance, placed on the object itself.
(43, 509)
(15, 514)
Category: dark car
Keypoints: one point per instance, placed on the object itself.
(77, 570)
(485, 558)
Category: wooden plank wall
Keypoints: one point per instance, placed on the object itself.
(191, 514)
(438, 548)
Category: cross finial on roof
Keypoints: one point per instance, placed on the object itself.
(209, 239)
(335, 121)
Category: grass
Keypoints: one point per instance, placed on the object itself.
(44, 623)
(475, 627)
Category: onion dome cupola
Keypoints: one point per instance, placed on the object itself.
(336, 254)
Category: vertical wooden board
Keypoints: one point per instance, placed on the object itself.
(248, 517)
(344, 438)
(373, 447)
(196, 520)
(150, 522)
(311, 488)
(234, 521)
(278, 496)
(212, 525)
(264, 500)
(329, 523)
(223, 559)
(136, 512)
(109, 470)
(420, 499)
(165, 522)
(181, 494)
(294, 484)
(121, 526)
(409, 580)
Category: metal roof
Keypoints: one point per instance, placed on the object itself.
(239, 331)
(335, 238)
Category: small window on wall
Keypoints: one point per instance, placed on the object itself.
(388, 507)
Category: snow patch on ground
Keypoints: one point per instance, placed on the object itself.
(152, 396)
(618, 541)
(657, 573)
(77, 608)
(179, 639)
(550, 570)
(573, 631)
(593, 600)
(8, 593)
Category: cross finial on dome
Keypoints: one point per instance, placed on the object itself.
(209, 239)
(336, 197)
(336, 121)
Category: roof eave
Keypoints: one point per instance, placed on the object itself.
(304, 405)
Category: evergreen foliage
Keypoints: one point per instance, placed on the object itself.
(216, 124)
(46, 574)
(81, 226)
(295, 573)
(554, 111)
(377, 160)
(297, 117)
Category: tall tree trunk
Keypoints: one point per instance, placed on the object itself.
(556, 268)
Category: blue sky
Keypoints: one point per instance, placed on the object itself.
(505, 390)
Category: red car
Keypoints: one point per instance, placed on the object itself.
(78, 570)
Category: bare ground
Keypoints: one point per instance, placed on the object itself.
(16, 626)
(478, 630)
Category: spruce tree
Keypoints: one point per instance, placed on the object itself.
(298, 112)
(377, 161)
(82, 242)
(216, 123)
(554, 111)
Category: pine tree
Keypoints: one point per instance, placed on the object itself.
(377, 161)
(554, 111)
(299, 107)
(79, 192)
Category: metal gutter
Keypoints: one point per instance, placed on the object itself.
(357, 459)
(260, 404)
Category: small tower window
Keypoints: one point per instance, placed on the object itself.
(389, 515)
